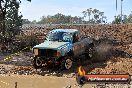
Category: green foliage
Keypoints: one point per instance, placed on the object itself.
(25, 21)
(129, 19)
(125, 18)
(13, 21)
(94, 16)
(117, 20)
(60, 19)
(10, 21)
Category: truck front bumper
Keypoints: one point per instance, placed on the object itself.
(46, 61)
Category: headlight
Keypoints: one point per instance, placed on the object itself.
(58, 53)
(35, 51)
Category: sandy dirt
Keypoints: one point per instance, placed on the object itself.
(37, 81)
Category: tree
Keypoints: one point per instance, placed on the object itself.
(126, 19)
(10, 21)
(25, 21)
(42, 21)
(104, 19)
(84, 14)
(97, 16)
(3, 11)
(34, 22)
(60, 19)
(101, 14)
(89, 11)
(13, 21)
(117, 20)
(129, 19)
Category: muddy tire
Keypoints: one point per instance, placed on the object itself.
(37, 62)
(67, 63)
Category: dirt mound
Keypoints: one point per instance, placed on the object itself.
(112, 66)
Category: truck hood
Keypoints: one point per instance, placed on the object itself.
(63, 47)
(50, 45)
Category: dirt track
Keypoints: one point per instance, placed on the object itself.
(119, 62)
(37, 81)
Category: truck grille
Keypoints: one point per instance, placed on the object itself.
(47, 52)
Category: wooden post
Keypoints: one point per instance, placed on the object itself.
(15, 84)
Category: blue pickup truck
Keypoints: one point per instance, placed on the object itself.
(60, 48)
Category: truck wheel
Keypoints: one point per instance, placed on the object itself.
(37, 62)
(66, 63)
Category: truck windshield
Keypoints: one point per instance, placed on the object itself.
(55, 36)
(59, 36)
